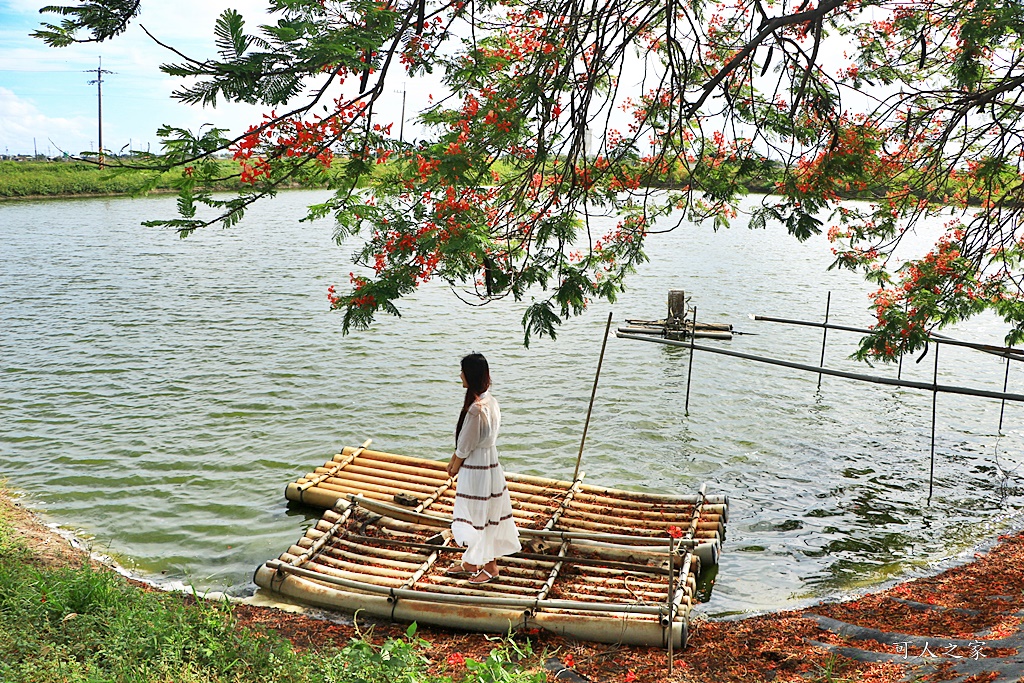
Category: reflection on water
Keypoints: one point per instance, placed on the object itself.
(159, 393)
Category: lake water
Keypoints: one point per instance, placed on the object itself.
(157, 394)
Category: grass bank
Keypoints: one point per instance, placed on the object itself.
(76, 178)
(86, 624)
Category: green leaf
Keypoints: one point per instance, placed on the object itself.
(229, 35)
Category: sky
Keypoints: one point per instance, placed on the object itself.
(48, 106)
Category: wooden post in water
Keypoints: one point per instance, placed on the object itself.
(824, 335)
(1002, 406)
(689, 371)
(675, 325)
(935, 396)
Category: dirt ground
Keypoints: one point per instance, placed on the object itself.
(964, 624)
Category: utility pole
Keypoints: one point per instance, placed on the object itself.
(401, 123)
(99, 71)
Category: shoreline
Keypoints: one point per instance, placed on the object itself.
(964, 623)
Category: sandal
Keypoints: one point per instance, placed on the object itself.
(483, 572)
(460, 570)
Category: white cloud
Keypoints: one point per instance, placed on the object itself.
(21, 120)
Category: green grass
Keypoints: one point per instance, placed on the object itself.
(83, 625)
(70, 178)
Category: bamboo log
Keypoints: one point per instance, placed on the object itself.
(416, 476)
(372, 551)
(622, 518)
(324, 573)
(347, 478)
(351, 456)
(324, 559)
(659, 527)
(393, 512)
(594, 626)
(422, 467)
(541, 562)
(483, 600)
(359, 558)
(383, 486)
(462, 587)
(400, 459)
(648, 499)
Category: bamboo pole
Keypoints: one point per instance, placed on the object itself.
(1005, 351)
(563, 506)
(935, 398)
(621, 495)
(397, 513)
(824, 335)
(620, 518)
(382, 484)
(940, 388)
(441, 490)
(369, 551)
(543, 558)
(1002, 406)
(689, 371)
(355, 454)
(671, 604)
(398, 459)
(324, 571)
(555, 570)
(334, 551)
(430, 471)
(463, 599)
(319, 545)
(593, 393)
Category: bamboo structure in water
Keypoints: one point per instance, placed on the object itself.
(598, 564)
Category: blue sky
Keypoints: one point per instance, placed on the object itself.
(45, 92)
(46, 98)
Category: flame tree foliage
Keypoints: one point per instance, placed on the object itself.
(912, 105)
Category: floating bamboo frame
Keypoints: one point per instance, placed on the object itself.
(631, 580)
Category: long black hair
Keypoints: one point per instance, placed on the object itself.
(478, 380)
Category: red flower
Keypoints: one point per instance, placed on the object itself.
(456, 659)
(630, 676)
(675, 532)
(569, 661)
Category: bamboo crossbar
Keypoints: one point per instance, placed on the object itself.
(566, 501)
(555, 570)
(385, 509)
(397, 593)
(319, 545)
(440, 491)
(540, 557)
(938, 388)
(1004, 351)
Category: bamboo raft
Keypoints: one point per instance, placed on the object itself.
(597, 564)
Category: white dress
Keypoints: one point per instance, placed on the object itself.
(482, 520)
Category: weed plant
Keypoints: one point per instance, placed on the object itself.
(86, 625)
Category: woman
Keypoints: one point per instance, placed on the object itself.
(482, 520)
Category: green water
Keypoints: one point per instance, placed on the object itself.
(157, 394)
